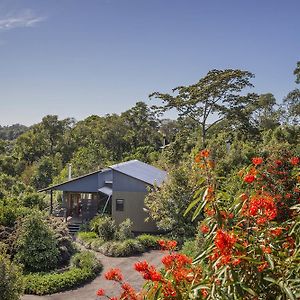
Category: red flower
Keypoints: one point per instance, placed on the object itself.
(204, 229)
(295, 161)
(169, 291)
(167, 245)
(249, 178)
(128, 292)
(205, 153)
(224, 242)
(141, 266)
(262, 266)
(176, 260)
(100, 292)
(114, 274)
(148, 272)
(263, 207)
(267, 250)
(276, 231)
(257, 160)
(204, 293)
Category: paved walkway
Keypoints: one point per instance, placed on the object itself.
(125, 264)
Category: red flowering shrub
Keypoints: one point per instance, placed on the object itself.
(250, 247)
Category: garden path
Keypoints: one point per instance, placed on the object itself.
(125, 264)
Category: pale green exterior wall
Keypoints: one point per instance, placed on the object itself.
(133, 209)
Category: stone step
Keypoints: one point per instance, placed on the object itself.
(74, 228)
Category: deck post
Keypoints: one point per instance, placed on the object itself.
(51, 202)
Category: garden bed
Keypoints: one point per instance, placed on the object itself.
(118, 248)
(84, 268)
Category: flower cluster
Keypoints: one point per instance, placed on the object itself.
(262, 207)
(167, 244)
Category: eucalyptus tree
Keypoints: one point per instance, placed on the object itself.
(213, 98)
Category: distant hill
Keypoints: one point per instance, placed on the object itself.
(12, 132)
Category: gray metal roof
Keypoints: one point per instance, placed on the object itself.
(106, 190)
(141, 171)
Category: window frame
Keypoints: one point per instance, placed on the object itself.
(120, 206)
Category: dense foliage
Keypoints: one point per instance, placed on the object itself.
(36, 246)
(84, 268)
(11, 281)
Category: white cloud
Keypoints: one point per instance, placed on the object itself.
(25, 18)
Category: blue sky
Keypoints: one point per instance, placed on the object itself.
(76, 58)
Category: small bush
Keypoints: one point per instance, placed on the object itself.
(85, 260)
(122, 248)
(104, 226)
(149, 241)
(86, 238)
(85, 267)
(11, 281)
(124, 231)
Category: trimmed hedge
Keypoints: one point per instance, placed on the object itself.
(84, 268)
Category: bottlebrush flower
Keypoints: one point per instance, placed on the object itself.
(295, 161)
(262, 266)
(249, 178)
(224, 241)
(167, 245)
(257, 160)
(114, 274)
(100, 292)
(204, 229)
(205, 153)
(263, 208)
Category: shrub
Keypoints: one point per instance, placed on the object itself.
(36, 245)
(86, 238)
(86, 260)
(104, 226)
(85, 267)
(65, 244)
(148, 241)
(122, 248)
(124, 231)
(11, 281)
(96, 244)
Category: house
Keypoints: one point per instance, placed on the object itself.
(118, 190)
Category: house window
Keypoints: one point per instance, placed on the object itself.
(120, 205)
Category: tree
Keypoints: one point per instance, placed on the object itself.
(292, 100)
(167, 203)
(142, 126)
(54, 130)
(265, 114)
(215, 96)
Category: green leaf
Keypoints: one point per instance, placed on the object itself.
(270, 261)
(289, 293)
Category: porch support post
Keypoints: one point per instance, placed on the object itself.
(51, 202)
